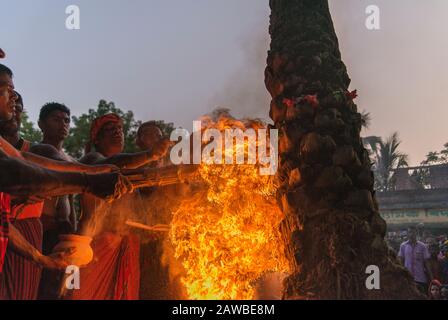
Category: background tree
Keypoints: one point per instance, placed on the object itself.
(332, 227)
(386, 159)
(29, 131)
(433, 158)
(366, 119)
(437, 157)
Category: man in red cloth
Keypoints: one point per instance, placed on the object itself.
(21, 276)
(115, 273)
(24, 175)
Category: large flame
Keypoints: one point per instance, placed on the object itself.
(226, 235)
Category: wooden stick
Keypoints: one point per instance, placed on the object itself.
(156, 228)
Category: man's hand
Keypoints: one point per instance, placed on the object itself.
(2, 54)
(161, 149)
(109, 186)
(55, 261)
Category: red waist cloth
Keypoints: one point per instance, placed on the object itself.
(30, 211)
(20, 278)
(114, 274)
(27, 212)
(4, 226)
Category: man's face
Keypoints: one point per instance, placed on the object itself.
(412, 234)
(13, 126)
(110, 139)
(149, 137)
(7, 97)
(56, 125)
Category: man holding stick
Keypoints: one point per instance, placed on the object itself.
(115, 273)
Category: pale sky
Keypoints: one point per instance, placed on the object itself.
(175, 60)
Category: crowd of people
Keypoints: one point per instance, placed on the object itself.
(37, 188)
(425, 256)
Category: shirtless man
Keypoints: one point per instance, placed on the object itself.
(24, 174)
(154, 276)
(117, 253)
(58, 216)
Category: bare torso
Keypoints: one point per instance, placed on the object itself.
(58, 211)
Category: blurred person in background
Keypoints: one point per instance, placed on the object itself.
(415, 255)
(434, 292)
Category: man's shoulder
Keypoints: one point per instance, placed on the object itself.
(45, 150)
(43, 147)
(404, 244)
(91, 158)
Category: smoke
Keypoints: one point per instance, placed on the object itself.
(397, 70)
(160, 270)
(245, 93)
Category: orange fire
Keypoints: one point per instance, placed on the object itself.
(227, 235)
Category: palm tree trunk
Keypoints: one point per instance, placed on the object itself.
(332, 228)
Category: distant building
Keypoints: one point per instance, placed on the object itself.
(420, 196)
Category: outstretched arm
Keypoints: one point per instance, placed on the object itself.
(20, 178)
(48, 157)
(130, 160)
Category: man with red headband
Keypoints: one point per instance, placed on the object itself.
(115, 273)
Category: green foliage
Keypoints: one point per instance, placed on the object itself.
(386, 159)
(366, 119)
(422, 175)
(437, 157)
(28, 131)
